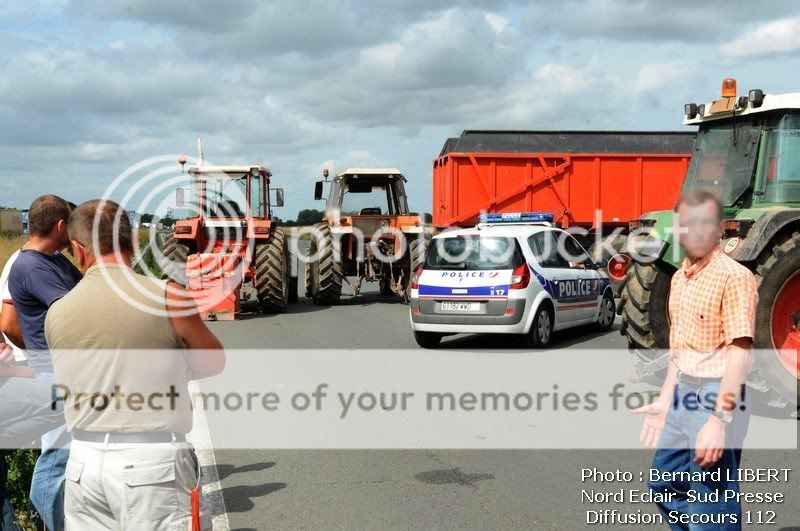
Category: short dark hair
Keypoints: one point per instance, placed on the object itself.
(104, 213)
(45, 213)
(700, 196)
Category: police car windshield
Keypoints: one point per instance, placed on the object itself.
(473, 253)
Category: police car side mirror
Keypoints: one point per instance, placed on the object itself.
(600, 264)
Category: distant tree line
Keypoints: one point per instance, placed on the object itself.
(307, 216)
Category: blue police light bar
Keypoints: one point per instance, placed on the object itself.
(516, 217)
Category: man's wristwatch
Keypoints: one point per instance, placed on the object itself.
(724, 416)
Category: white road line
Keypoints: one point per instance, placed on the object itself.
(200, 437)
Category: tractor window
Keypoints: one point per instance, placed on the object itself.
(257, 206)
(780, 166)
(225, 197)
(724, 159)
(368, 199)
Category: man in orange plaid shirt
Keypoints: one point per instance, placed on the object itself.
(699, 422)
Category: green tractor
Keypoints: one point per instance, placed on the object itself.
(748, 149)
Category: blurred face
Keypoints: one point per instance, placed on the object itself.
(700, 228)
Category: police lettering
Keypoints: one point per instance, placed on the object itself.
(576, 288)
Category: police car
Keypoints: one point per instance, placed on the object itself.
(514, 273)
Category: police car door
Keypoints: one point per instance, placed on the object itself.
(588, 286)
(554, 273)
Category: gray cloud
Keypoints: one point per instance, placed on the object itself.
(296, 84)
(651, 20)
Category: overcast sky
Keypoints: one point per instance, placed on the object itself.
(90, 87)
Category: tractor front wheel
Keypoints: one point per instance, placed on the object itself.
(778, 321)
(272, 273)
(645, 319)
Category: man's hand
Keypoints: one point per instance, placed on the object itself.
(710, 443)
(655, 417)
(6, 354)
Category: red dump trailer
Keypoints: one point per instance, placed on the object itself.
(572, 174)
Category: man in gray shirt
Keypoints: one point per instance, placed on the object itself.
(129, 464)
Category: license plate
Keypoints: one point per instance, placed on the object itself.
(449, 306)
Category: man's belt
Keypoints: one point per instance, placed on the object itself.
(696, 380)
(144, 437)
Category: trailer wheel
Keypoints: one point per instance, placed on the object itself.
(777, 274)
(173, 264)
(645, 321)
(326, 277)
(272, 274)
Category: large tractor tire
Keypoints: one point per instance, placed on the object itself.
(272, 273)
(777, 274)
(173, 264)
(326, 271)
(643, 305)
(308, 276)
(417, 247)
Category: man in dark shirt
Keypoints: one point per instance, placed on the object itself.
(40, 276)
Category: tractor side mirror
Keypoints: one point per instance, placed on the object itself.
(180, 201)
(318, 190)
(278, 197)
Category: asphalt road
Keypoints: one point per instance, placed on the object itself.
(426, 489)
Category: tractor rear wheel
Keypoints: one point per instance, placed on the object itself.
(308, 276)
(643, 305)
(173, 263)
(326, 271)
(272, 273)
(417, 247)
(778, 320)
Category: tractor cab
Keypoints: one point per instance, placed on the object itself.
(233, 191)
(367, 198)
(747, 147)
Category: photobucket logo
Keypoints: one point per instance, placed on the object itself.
(154, 182)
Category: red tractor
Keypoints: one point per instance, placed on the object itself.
(230, 251)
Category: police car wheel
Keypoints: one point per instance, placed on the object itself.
(605, 319)
(541, 332)
(427, 339)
